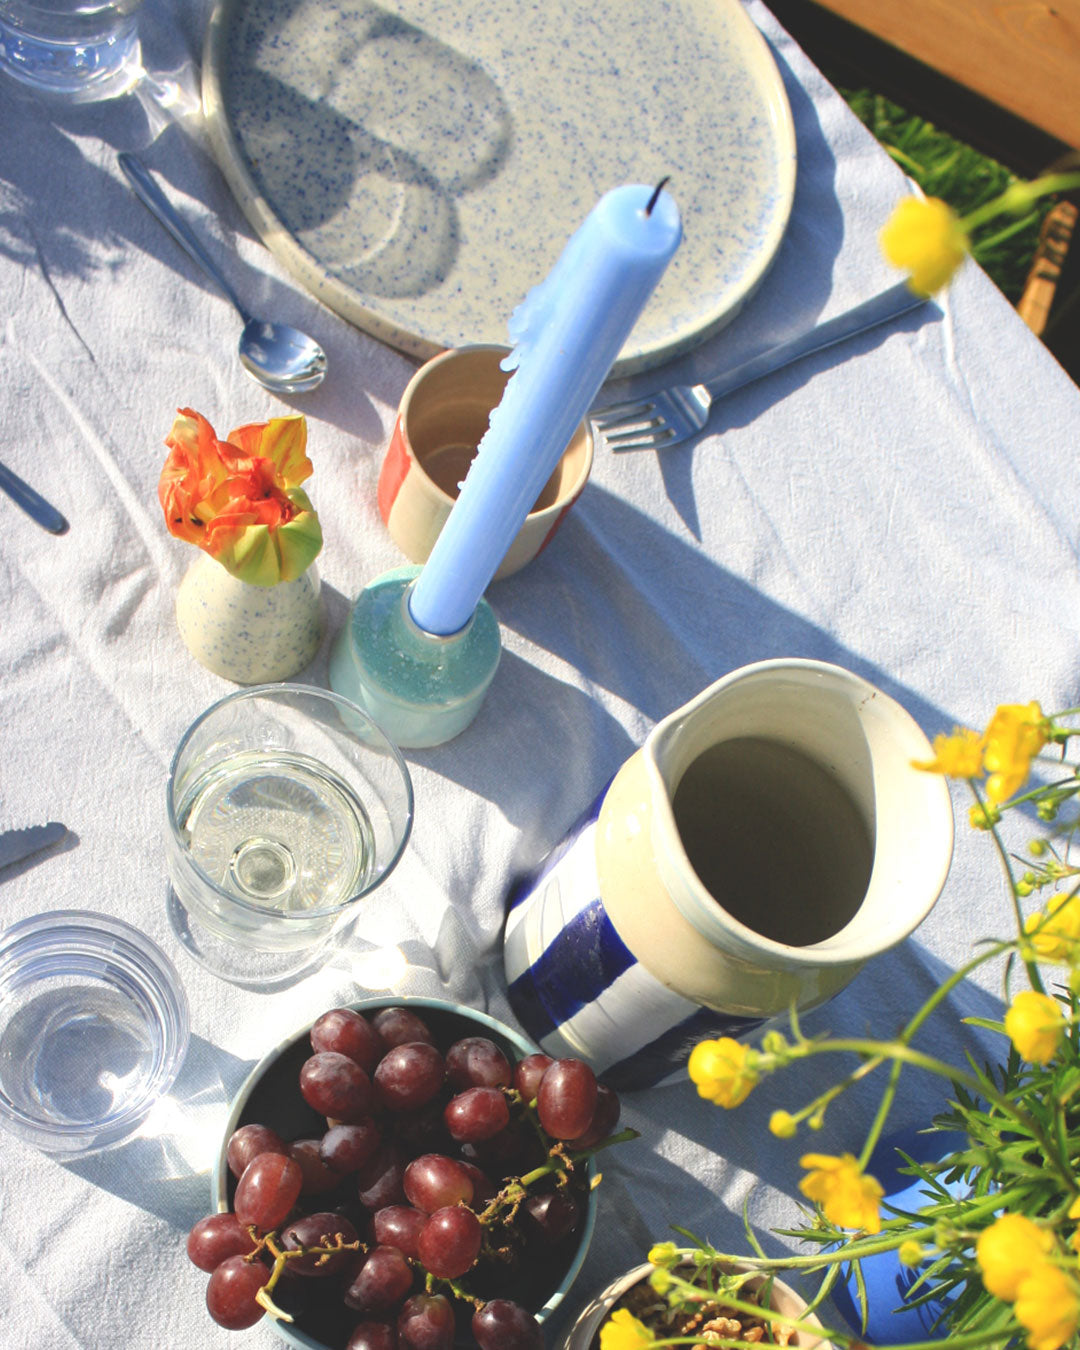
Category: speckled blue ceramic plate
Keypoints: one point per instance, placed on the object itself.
(419, 164)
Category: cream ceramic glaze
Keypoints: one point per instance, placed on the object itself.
(867, 741)
(617, 951)
(248, 634)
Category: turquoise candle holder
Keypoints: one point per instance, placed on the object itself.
(421, 688)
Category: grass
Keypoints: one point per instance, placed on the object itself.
(945, 167)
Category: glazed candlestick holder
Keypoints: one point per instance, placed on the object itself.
(421, 688)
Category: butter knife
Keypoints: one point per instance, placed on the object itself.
(15, 845)
(31, 502)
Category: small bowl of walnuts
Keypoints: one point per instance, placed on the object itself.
(699, 1308)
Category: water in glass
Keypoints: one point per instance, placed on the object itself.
(280, 830)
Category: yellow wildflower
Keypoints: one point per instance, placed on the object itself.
(984, 815)
(663, 1254)
(1016, 733)
(722, 1071)
(623, 1331)
(956, 756)
(782, 1124)
(1008, 1251)
(926, 238)
(1035, 1024)
(848, 1196)
(1055, 934)
(911, 1252)
(1048, 1305)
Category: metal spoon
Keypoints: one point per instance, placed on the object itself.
(280, 358)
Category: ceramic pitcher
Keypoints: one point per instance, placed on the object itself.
(766, 841)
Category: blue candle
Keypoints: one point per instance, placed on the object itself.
(566, 334)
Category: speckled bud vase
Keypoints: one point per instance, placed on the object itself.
(248, 634)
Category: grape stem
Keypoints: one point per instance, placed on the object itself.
(282, 1256)
(556, 1163)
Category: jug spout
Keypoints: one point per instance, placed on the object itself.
(788, 819)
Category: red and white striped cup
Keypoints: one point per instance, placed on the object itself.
(442, 416)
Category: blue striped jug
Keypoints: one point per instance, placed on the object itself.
(768, 839)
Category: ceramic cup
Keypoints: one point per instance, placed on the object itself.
(442, 416)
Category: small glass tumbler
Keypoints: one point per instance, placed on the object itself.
(93, 1030)
(286, 806)
(78, 50)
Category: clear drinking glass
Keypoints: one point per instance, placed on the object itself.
(286, 806)
(78, 50)
(93, 1030)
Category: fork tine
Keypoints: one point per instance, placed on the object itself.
(639, 438)
(635, 410)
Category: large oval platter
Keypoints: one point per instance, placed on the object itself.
(419, 164)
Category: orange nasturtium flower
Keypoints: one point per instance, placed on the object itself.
(848, 1196)
(1008, 1251)
(926, 238)
(723, 1071)
(1017, 732)
(239, 499)
(1035, 1024)
(956, 756)
(623, 1331)
(1048, 1305)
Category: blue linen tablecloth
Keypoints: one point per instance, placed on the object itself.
(908, 508)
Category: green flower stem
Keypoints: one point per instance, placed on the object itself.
(1019, 196)
(898, 1051)
(991, 241)
(1029, 965)
(857, 1249)
(936, 998)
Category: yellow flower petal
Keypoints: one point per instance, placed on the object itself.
(1048, 1305)
(722, 1071)
(848, 1196)
(623, 1331)
(1008, 1250)
(1055, 933)
(925, 238)
(956, 756)
(1035, 1024)
(283, 440)
(1017, 732)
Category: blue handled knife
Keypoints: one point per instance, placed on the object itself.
(33, 503)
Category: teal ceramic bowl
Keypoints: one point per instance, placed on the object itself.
(270, 1096)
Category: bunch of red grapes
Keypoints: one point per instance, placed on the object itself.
(423, 1166)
